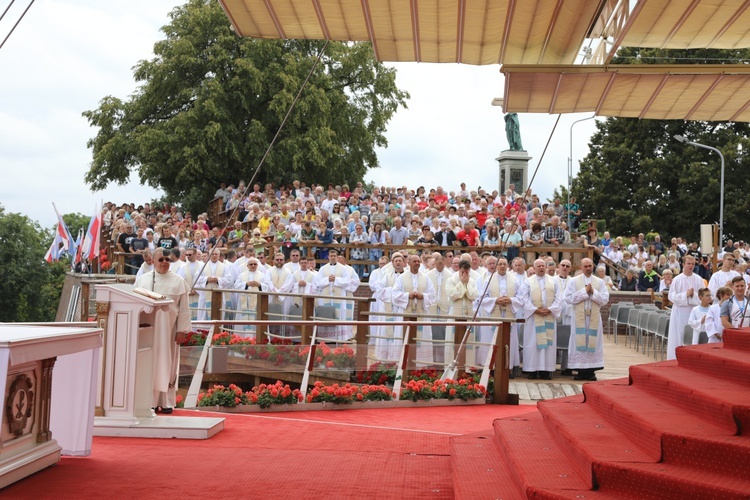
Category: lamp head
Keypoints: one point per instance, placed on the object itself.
(680, 138)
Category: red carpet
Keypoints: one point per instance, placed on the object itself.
(677, 429)
(383, 453)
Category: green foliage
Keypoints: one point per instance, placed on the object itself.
(210, 102)
(639, 178)
(76, 222)
(29, 287)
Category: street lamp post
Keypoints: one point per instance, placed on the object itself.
(570, 165)
(682, 139)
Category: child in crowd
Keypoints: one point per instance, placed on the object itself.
(714, 328)
(700, 314)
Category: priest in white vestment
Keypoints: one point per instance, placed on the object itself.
(542, 306)
(562, 276)
(251, 280)
(414, 293)
(191, 270)
(354, 282)
(388, 347)
(214, 275)
(373, 283)
(439, 277)
(683, 294)
(503, 298)
(274, 281)
(299, 282)
(148, 263)
(462, 292)
(586, 294)
(333, 280)
(170, 329)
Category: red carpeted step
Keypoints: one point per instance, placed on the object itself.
(737, 338)
(729, 455)
(587, 436)
(644, 417)
(479, 471)
(717, 361)
(711, 397)
(533, 456)
(667, 481)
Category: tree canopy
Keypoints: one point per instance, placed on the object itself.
(29, 287)
(209, 103)
(639, 178)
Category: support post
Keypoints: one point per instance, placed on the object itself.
(502, 365)
(361, 336)
(308, 310)
(260, 333)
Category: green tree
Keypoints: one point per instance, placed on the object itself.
(208, 105)
(29, 287)
(639, 178)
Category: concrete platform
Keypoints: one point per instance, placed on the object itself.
(161, 427)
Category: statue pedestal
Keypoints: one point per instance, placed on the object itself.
(514, 169)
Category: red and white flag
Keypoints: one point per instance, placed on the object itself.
(91, 241)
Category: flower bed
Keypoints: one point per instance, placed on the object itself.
(422, 388)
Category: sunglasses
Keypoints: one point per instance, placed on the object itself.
(162, 259)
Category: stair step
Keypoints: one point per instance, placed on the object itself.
(737, 338)
(716, 360)
(534, 457)
(710, 397)
(479, 471)
(644, 417)
(728, 455)
(587, 436)
(667, 481)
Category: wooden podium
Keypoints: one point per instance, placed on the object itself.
(27, 359)
(124, 398)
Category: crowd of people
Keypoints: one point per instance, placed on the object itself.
(465, 257)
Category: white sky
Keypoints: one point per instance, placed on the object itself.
(67, 55)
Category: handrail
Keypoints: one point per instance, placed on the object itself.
(284, 294)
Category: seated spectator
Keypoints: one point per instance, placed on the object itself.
(648, 279)
(534, 236)
(601, 273)
(629, 283)
(468, 236)
(666, 280)
(673, 263)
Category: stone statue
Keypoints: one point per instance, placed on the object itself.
(513, 132)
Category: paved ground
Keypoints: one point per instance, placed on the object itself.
(617, 360)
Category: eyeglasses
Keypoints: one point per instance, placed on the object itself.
(162, 259)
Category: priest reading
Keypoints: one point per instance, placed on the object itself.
(172, 327)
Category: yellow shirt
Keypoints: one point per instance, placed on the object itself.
(264, 224)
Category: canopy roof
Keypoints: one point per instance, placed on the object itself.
(464, 31)
(691, 92)
(689, 24)
(537, 41)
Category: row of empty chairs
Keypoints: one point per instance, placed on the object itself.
(644, 324)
